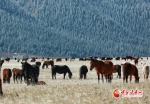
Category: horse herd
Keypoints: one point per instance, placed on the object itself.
(104, 68)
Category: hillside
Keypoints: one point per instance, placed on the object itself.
(75, 27)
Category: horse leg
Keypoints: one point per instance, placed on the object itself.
(130, 78)
(102, 78)
(21, 79)
(55, 75)
(1, 92)
(98, 77)
(14, 78)
(64, 75)
(123, 79)
(126, 78)
(17, 79)
(84, 75)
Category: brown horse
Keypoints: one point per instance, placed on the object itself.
(130, 69)
(136, 61)
(47, 63)
(103, 68)
(1, 91)
(7, 59)
(58, 59)
(6, 75)
(17, 73)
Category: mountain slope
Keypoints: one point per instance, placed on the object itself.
(75, 27)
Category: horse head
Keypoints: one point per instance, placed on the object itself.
(70, 75)
(92, 64)
(24, 66)
(137, 80)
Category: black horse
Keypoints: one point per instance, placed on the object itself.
(83, 71)
(61, 70)
(30, 72)
(117, 68)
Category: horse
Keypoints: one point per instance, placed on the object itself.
(1, 91)
(6, 75)
(61, 70)
(38, 63)
(30, 72)
(24, 59)
(83, 71)
(47, 63)
(7, 59)
(130, 69)
(104, 68)
(117, 68)
(58, 59)
(136, 61)
(17, 73)
(145, 70)
(41, 83)
(33, 60)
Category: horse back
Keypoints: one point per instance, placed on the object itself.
(108, 67)
(60, 69)
(35, 69)
(7, 73)
(83, 69)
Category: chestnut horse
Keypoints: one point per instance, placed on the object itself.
(136, 61)
(6, 75)
(104, 68)
(1, 91)
(130, 69)
(17, 73)
(47, 63)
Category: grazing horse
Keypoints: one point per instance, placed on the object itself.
(61, 70)
(83, 71)
(17, 73)
(117, 68)
(47, 63)
(58, 59)
(6, 75)
(130, 69)
(1, 63)
(103, 68)
(145, 70)
(30, 72)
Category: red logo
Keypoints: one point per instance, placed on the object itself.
(127, 93)
(116, 93)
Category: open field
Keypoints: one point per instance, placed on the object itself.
(72, 91)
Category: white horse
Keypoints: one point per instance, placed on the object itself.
(145, 70)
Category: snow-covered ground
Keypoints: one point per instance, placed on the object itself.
(73, 91)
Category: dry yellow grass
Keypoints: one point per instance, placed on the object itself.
(72, 91)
